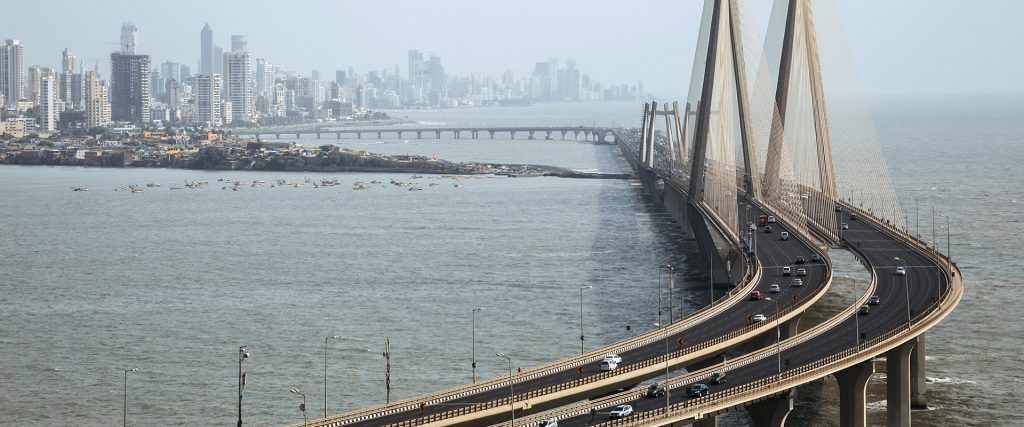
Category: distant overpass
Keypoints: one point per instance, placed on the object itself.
(574, 133)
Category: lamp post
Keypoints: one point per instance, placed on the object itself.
(126, 371)
(933, 227)
(302, 408)
(511, 391)
(474, 341)
(949, 250)
(659, 298)
(325, 371)
(243, 353)
(671, 284)
(581, 316)
(664, 329)
(856, 316)
(907, 287)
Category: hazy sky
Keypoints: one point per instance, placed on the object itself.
(899, 47)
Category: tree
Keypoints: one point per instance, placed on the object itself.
(208, 158)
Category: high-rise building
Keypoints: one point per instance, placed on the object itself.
(238, 43)
(208, 100)
(238, 85)
(97, 108)
(206, 50)
(218, 59)
(69, 87)
(264, 77)
(339, 77)
(12, 71)
(129, 38)
(35, 82)
(48, 103)
(129, 87)
(69, 64)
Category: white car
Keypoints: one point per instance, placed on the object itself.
(550, 422)
(846, 226)
(614, 358)
(621, 411)
(797, 283)
(608, 365)
(771, 218)
(801, 272)
(786, 270)
(774, 289)
(901, 271)
(759, 318)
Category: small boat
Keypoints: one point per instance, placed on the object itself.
(175, 187)
(136, 189)
(457, 185)
(79, 189)
(152, 184)
(415, 189)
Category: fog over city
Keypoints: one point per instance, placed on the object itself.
(904, 47)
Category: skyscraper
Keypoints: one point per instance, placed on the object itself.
(12, 71)
(218, 59)
(238, 85)
(206, 50)
(97, 108)
(129, 87)
(208, 100)
(48, 103)
(129, 38)
(35, 82)
(264, 77)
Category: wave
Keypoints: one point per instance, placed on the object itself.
(948, 380)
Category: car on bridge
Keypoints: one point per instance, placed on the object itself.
(717, 378)
(846, 226)
(797, 283)
(767, 229)
(550, 422)
(756, 295)
(655, 390)
(839, 208)
(613, 357)
(874, 300)
(784, 235)
(759, 318)
(774, 289)
(771, 218)
(801, 272)
(698, 390)
(786, 270)
(815, 258)
(864, 309)
(608, 365)
(800, 260)
(901, 271)
(621, 411)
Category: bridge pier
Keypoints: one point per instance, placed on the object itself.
(531, 135)
(576, 135)
(318, 135)
(380, 135)
(772, 412)
(491, 132)
(918, 380)
(547, 135)
(277, 135)
(359, 135)
(298, 135)
(475, 134)
(897, 379)
(339, 135)
(511, 134)
(563, 135)
(437, 135)
(853, 383)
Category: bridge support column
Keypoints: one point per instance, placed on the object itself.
(318, 135)
(918, 384)
(491, 132)
(298, 135)
(547, 135)
(277, 135)
(476, 134)
(359, 135)
(437, 135)
(563, 135)
(380, 135)
(512, 134)
(897, 378)
(853, 383)
(772, 412)
(339, 135)
(531, 135)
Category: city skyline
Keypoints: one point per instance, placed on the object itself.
(611, 38)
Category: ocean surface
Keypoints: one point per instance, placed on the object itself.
(174, 281)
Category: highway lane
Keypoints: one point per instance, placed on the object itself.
(925, 281)
(773, 253)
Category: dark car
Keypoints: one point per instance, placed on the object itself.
(767, 229)
(853, 217)
(655, 390)
(717, 378)
(874, 300)
(698, 390)
(800, 260)
(815, 258)
(864, 309)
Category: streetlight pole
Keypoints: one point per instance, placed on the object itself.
(126, 371)
(474, 341)
(581, 316)
(243, 353)
(778, 337)
(659, 295)
(671, 284)
(325, 371)
(856, 316)
(664, 329)
(511, 391)
(933, 227)
(305, 419)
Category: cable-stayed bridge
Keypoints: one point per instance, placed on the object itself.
(774, 131)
